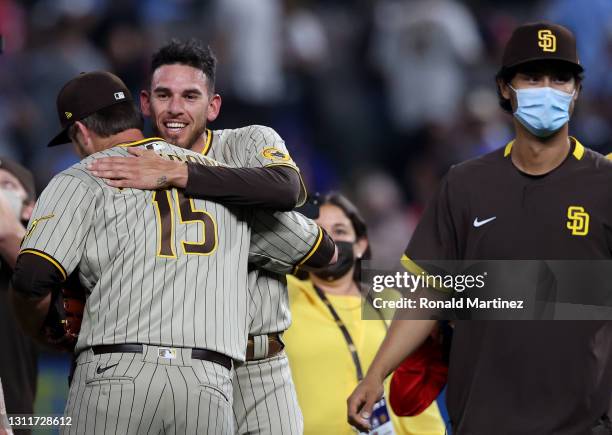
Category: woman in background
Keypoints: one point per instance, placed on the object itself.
(329, 345)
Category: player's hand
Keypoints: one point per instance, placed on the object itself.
(10, 226)
(146, 170)
(360, 403)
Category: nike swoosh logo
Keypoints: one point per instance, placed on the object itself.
(478, 223)
(101, 370)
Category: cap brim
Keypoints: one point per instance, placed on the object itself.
(576, 66)
(60, 139)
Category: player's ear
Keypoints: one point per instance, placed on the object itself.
(504, 89)
(82, 140)
(145, 103)
(578, 90)
(82, 133)
(214, 107)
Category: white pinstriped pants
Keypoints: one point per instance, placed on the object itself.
(265, 401)
(131, 393)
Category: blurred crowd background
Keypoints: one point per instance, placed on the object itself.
(376, 98)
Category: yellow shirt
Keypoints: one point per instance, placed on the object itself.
(323, 369)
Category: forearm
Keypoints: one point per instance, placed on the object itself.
(10, 245)
(33, 282)
(322, 254)
(31, 313)
(403, 338)
(276, 188)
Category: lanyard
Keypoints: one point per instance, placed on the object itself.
(345, 332)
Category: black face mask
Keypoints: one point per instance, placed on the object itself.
(346, 260)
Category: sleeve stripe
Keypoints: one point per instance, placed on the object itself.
(283, 164)
(314, 248)
(415, 269)
(48, 258)
(411, 266)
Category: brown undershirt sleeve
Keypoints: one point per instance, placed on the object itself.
(277, 188)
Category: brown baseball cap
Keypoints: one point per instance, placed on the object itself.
(86, 94)
(540, 41)
(24, 176)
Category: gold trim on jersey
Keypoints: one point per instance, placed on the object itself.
(140, 142)
(313, 249)
(208, 141)
(508, 148)
(411, 266)
(578, 152)
(284, 164)
(47, 257)
(185, 244)
(303, 191)
(415, 269)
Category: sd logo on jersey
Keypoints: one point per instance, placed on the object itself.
(577, 220)
(275, 154)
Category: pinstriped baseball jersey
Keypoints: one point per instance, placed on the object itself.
(279, 240)
(256, 146)
(160, 268)
(269, 310)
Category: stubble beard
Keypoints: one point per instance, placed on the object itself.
(191, 141)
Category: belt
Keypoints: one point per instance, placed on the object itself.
(201, 354)
(275, 346)
(117, 348)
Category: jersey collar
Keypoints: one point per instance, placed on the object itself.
(140, 142)
(577, 153)
(208, 143)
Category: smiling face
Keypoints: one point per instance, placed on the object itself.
(180, 104)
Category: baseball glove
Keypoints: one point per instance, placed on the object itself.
(63, 323)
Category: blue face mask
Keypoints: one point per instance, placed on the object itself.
(542, 111)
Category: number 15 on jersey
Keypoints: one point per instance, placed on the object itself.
(168, 202)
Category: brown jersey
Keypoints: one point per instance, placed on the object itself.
(524, 377)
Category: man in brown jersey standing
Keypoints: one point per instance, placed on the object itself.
(543, 196)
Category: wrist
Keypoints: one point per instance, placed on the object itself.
(177, 176)
(376, 374)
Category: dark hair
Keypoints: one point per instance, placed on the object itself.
(192, 53)
(112, 120)
(351, 211)
(507, 74)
